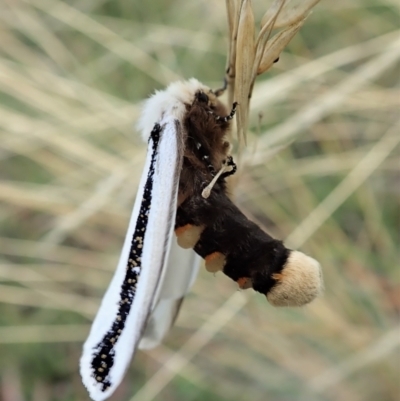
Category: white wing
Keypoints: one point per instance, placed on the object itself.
(121, 319)
(178, 277)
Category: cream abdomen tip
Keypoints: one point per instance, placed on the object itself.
(299, 282)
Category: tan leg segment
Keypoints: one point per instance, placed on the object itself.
(188, 235)
(245, 283)
(215, 262)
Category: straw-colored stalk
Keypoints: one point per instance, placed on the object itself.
(247, 57)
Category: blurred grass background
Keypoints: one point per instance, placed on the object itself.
(72, 78)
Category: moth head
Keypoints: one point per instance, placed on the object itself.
(202, 97)
(299, 282)
(209, 102)
(173, 101)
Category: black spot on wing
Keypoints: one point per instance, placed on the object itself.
(104, 352)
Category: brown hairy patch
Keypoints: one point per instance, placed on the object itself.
(205, 135)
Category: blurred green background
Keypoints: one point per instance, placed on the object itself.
(72, 78)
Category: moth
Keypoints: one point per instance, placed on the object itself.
(183, 189)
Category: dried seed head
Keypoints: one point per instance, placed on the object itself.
(245, 53)
(290, 14)
(272, 14)
(248, 58)
(276, 45)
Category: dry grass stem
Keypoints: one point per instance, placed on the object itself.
(386, 344)
(248, 58)
(367, 165)
(291, 15)
(107, 38)
(192, 346)
(276, 45)
(44, 334)
(73, 76)
(321, 106)
(245, 53)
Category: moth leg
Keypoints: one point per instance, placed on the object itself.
(228, 117)
(188, 235)
(228, 168)
(245, 283)
(220, 91)
(231, 163)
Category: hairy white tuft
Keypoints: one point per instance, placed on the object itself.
(170, 101)
(299, 283)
